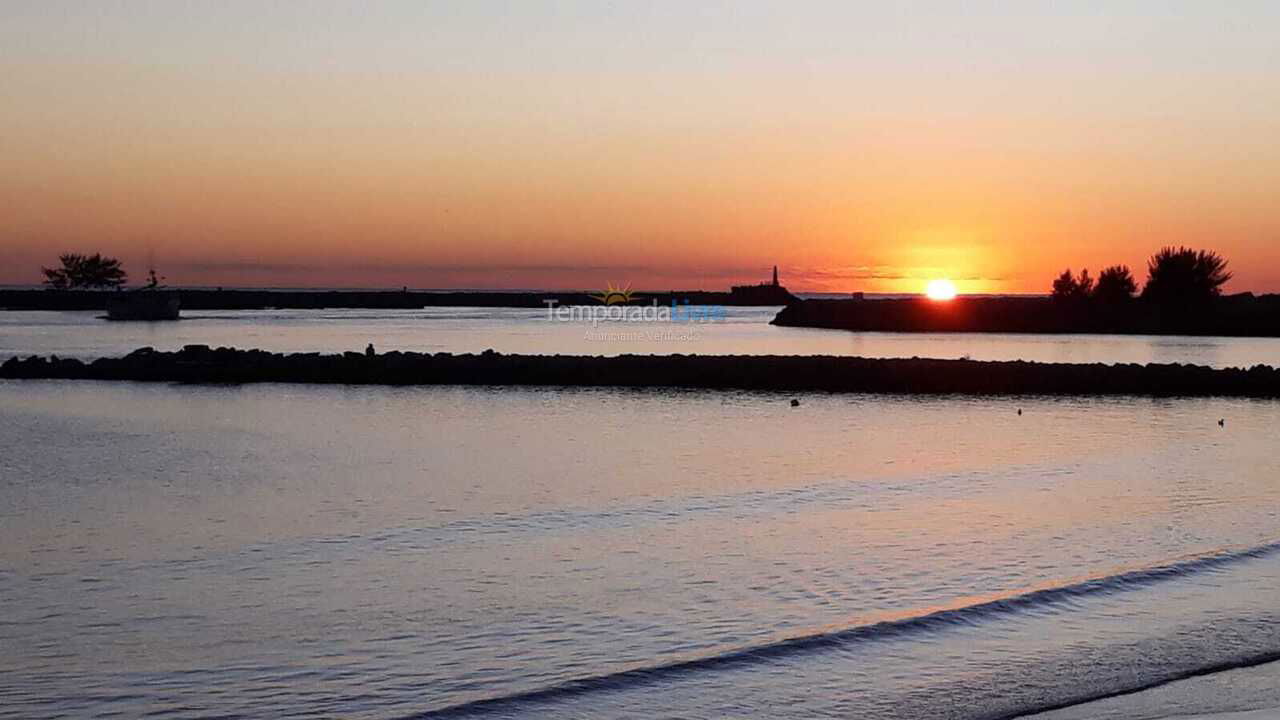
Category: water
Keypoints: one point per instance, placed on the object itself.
(380, 552)
(742, 331)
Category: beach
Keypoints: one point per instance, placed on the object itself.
(599, 360)
(382, 551)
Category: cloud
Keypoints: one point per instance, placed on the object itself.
(885, 272)
(248, 266)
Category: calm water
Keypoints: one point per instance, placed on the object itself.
(741, 331)
(367, 552)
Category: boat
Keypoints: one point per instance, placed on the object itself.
(143, 304)
(149, 302)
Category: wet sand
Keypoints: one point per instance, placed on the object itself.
(1250, 693)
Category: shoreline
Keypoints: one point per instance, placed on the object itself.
(815, 373)
(1239, 692)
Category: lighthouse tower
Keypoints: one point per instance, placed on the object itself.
(765, 293)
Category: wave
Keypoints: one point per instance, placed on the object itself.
(932, 621)
(1239, 663)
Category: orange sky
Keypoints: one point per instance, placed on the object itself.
(657, 144)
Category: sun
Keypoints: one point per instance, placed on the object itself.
(942, 289)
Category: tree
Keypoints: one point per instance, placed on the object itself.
(1183, 275)
(1115, 285)
(1084, 284)
(85, 271)
(1070, 287)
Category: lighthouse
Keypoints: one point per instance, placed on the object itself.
(766, 293)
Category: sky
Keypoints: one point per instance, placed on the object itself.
(662, 145)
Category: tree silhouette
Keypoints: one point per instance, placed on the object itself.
(1084, 283)
(1183, 275)
(85, 271)
(1115, 285)
(1070, 287)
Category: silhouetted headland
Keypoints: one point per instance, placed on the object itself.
(202, 364)
(1234, 315)
(206, 299)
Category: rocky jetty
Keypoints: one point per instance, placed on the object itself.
(1235, 315)
(202, 364)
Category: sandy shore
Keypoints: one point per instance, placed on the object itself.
(1250, 693)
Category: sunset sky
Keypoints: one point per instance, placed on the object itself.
(662, 145)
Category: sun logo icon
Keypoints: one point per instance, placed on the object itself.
(615, 295)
